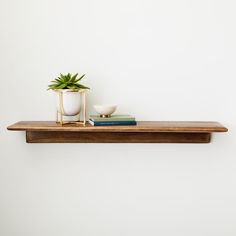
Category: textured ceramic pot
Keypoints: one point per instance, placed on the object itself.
(71, 102)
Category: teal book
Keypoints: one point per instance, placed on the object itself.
(112, 123)
(96, 118)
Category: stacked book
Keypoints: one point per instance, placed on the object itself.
(96, 120)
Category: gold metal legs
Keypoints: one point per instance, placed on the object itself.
(83, 122)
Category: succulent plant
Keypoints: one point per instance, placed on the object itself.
(68, 81)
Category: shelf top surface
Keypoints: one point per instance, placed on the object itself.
(142, 126)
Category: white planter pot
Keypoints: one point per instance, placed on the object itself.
(71, 102)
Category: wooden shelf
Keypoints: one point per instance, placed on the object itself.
(144, 132)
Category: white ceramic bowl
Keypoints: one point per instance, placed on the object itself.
(105, 110)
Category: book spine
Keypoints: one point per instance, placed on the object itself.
(111, 123)
(111, 119)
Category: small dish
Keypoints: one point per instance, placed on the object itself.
(105, 110)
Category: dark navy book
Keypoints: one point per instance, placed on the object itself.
(111, 123)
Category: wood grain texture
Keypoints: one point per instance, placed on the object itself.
(115, 137)
(144, 132)
(142, 126)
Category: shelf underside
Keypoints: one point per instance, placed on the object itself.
(144, 132)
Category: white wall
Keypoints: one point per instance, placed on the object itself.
(159, 60)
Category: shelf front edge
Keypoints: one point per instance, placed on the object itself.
(115, 137)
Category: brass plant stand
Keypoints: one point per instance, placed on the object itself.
(59, 115)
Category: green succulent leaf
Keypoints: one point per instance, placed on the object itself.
(82, 86)
(80, 78)
(73, 78)
(67, 81)
(72, 87)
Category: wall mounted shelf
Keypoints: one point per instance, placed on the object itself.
(144, 132)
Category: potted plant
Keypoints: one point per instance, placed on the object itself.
(69, 94)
